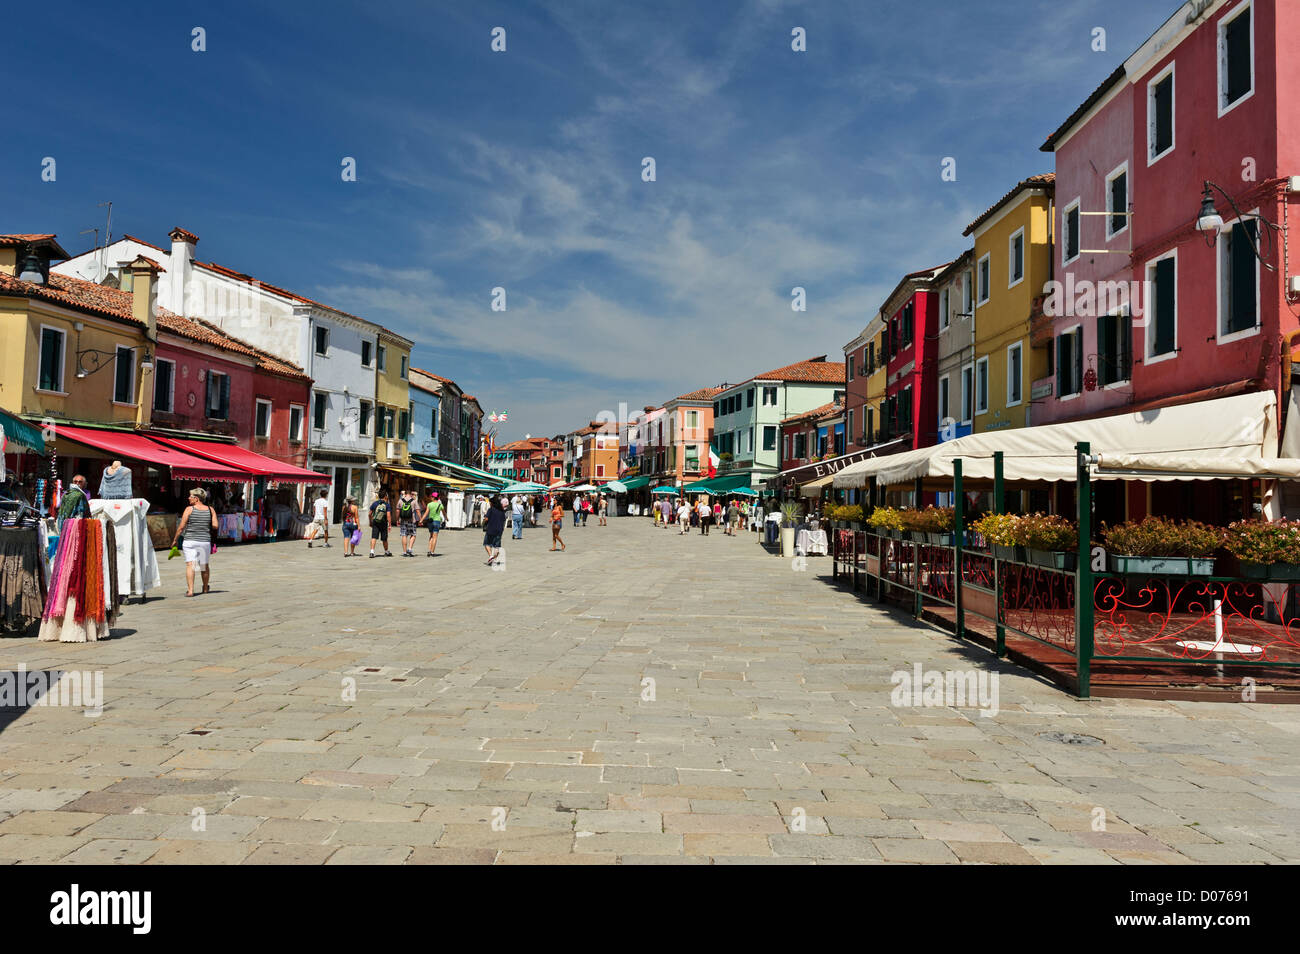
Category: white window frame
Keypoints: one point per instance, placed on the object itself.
(364, 421)
(1151, 118)
(944, 399)
(967, 306)
(1065, 244)
(171, 387)
(1077, 332)
(1148, 325)
(295, 437)
(117, 356)
(1012, 281)
(945, 300)
(214, 373)
(967, 410)
(1120, 170)
(1220, 249)
(381, 357)
(1017, 346)
(983, 294)
(1221, 54)
(257, 403)
(405, 367)
(316, 330)
(982, 364)
(63, 360)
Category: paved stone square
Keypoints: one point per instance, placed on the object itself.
(507, 717)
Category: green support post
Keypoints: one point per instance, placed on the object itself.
(916, 551)
(1083, 596)
(999, 506)
(959, 538)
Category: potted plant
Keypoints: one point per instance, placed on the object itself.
(1158, 545)
(887, 521)
(791, 514)
(999, 532)
(1265, 549)
(935, 524)
(1049, 540)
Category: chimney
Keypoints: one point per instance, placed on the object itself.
(144, 294)
(182, 259)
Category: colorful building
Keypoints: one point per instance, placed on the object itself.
(910, 319)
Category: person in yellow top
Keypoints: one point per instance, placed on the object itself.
(557, 523)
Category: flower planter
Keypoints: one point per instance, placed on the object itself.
(1173, 566)
(787, 542)
(1281, 572)
(1013, 553)
(1053, 559)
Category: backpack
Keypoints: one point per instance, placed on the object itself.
(380, 513)
(406, 510)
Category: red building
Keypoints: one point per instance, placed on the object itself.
(911, 318)
(208, 381)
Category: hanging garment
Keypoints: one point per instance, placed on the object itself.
(116, 486)
(137, 566)
(80, 606)
(22, 590)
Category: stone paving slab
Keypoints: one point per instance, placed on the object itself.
(644, 698)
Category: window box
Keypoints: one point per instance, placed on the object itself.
(1171, 566)
(1014, 554)
(1053, 559)
(1282, 572)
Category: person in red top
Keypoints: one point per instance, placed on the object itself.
(557, 523)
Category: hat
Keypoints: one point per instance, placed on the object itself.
(435, 495)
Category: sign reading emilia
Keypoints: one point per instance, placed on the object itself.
(827, 468)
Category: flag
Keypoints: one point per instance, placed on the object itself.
(714, 461)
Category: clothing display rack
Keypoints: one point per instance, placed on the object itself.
(24, 569)
(83, 601)
(137, 566)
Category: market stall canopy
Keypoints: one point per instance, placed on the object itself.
(473, 473)
(616, 487)
(665, 490)
(1232, 436)
(582, 488)
(19, 432)
(524, 487)
(128, 444)
(634, 483)
(233, 455)
(745, 492)
(718, 485)
(424, 475)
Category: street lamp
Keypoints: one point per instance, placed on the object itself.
(1210, 223)
(90, 360)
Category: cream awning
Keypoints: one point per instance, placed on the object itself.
(1227, 437)
(814, 487)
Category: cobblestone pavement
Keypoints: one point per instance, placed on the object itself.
(504, 717)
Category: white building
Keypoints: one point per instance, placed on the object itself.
(337, 350)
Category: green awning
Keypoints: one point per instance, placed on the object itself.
(717, 485)
(18, 431)
(635, 483)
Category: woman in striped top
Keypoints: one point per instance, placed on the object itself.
(197, 525)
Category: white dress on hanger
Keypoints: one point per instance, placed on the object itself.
(137, 566)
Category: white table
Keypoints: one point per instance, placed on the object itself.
(811, 541)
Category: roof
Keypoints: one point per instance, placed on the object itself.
(810, 371)
(925, 274)
(702, 394)
(1046, 180)
(115, 303)
(19, 239)
(1097, 94)
(828, 410)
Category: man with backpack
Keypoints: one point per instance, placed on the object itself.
(379, 520)
(408, 509)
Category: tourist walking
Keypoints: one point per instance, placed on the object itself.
(685, 517)
(433, 519)
(733, 518)
(408, 511)
(320, 518)
(517, 518)
(586, 509)
(557, 524)
(602, 509)
(379, 521)
(493, 526)
(577, 508)
(197, 525)
(351, 527)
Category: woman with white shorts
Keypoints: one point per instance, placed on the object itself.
(197, 525)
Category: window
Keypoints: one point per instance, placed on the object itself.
(982, 385)
(967, 393)
(52, 342)
(295, 423)
(1015, 372)
(849, 421)
(944, 297)
(367, 353)
(363, 419)
(769, 396)
(909, 323)
(984, 277)
(322, 340)
(1238, 279)
(555, 473)
(716, 407)
(1117, 201)
(1162, 312)
(218, 401)
(164, 378)
(1016, 258)
(800, 446)
(319, 401)
(943, 399)
(262, 419)
(869, 416)
(1070, 228)
(124, 376)
(1160, 115)
(402, 372)
(749, 398)
(600, 470)
(1236, 58)
(692, 457)
(850, 367)
(905, 410)
(692, 420)
(383, 358)
(769, 437)
(869, 358)
(1069, 362)
(1114, 348)
(404, 425)
(965, 294)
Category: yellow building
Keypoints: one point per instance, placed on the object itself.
(392, 399)
(1013, 257)
(72, 350)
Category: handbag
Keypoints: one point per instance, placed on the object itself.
(173, 552)
(356, 537)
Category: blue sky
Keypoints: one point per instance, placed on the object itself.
(522, 169)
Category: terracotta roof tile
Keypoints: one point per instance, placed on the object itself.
(829, 410)
(19, 239)
(813, 370)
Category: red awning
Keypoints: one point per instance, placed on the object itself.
(127, 444)
(236, 456)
